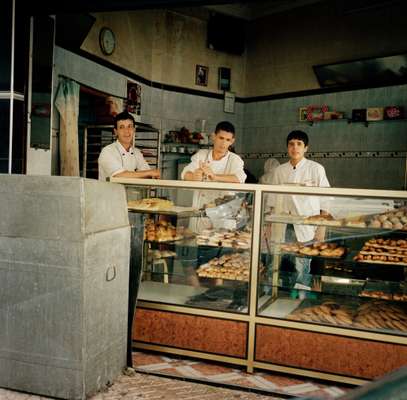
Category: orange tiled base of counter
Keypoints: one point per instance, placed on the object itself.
(327, 353)
(190, 332)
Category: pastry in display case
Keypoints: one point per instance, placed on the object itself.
(353, 278)
(199, 254)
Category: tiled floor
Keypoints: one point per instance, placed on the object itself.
(138, 386)
(141, 384)
(219, 373)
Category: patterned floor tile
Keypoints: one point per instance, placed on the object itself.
(138, 386)
(177, 366)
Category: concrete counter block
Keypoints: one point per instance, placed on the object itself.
(64, 270)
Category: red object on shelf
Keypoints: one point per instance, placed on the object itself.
(393, 112)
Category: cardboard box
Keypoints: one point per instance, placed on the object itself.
(374, 114)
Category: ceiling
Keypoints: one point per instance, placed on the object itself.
(250, 10)
(243, 9)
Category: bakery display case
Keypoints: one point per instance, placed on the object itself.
(233, 273)
(197, 247)
(335, 281)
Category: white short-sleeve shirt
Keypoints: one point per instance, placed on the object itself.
(308, 173)
(230, 163)
(114, 159)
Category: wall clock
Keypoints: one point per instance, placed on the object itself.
(107, 41)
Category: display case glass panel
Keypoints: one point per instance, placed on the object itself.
(197, 246)
(337, 261)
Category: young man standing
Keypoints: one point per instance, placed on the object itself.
(299, 170)
(217, 164)
(121, 158)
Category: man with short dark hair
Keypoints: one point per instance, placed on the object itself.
(217, 164)
(301, 171)
(121, 158)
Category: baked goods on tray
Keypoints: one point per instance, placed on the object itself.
(161, 231)
(328, 312)
(153, 203)
(381, 294)
(224, 238)
(323, 220)
(158, 254)
(383, 251)
(235, 266)
(396, 220)
(316, 249)
(372, 315)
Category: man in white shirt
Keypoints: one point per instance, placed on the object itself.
(301, 171)
(215, 165)
(121, 158)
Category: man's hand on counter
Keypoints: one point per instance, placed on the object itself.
(148, 173)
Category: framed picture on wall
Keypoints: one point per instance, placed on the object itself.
(201, 75)
(133, 103)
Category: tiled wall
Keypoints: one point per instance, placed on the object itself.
(263, 126)
(163, 109)
(267, 123)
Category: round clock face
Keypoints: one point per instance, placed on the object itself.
(107, 41)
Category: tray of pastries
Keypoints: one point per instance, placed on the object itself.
(150, 204)
(163, 206)
(321, 249)
(392, 220)
(158, 254)
(163, 231)
(376, 314)
(323, 220)
(383, 295)
(383, 251)
(234, 266)
(225, 238)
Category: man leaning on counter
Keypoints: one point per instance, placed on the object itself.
(121, 158)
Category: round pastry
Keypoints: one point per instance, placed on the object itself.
(309, 251)
(382, 217)
(375, 223)
(394, 220)
(387, 225)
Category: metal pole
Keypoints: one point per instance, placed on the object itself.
(10, 145)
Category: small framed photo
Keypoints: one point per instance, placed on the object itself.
(303, 113)
(201, 75)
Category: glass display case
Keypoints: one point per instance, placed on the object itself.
(335, 261)
(197, 247)
(304, 280)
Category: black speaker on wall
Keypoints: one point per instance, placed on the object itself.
(226, 33)
(72, 29)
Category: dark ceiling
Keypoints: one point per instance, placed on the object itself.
(73, 6)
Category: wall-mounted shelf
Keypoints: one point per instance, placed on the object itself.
(182, 148)
(350, 121)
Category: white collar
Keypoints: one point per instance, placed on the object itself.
(210, 158)
(299, 165)
(122, 150)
